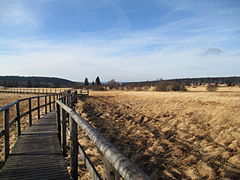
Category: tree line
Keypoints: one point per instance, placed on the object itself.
(159, 85)
(229, 81)
(47, 82)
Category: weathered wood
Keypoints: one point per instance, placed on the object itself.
(6, 131)
(121, 163)
(18, 119)
(58, 118)
(73, 149)
(12, 122)
(88, 163)
(24, 114)
(110, 172)
(63, 132)
(54, 103)
(50, 103)
(45, 104)
(8, 106)
(30, 111)
(36, 154)
(38, 107)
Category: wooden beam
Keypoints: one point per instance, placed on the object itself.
(73, 149)
(18, 119)
(45, 104)
(58, 122)
(50, 103)
(110, 172)
(30, 111)
(63, 132)
(120, 162)
(38, 107)
(6, 130)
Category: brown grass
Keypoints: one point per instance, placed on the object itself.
(171, 135)
(219, 89)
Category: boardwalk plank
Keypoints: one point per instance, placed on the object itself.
(37, 153)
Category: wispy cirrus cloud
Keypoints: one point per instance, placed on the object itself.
(137, 40)
(14, 13)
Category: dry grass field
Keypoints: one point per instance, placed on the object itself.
(219, 89)
(169, 135)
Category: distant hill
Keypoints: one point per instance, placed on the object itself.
(32, 81)
(230, 81)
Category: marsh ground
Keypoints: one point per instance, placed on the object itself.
(170, 135)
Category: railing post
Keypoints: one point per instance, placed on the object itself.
(110, 172)
(6, 129)
(54, 101)
(67, 99)
(30, 111)
(18, 119)
(76, 98)
(58, 122)
(45, 104)
(73, 149)
(64, 99)
(38, 107)
(50, 103)
(63, 132)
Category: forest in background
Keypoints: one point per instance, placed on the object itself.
(34, 81)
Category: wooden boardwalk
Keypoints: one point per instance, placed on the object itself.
(37, 153)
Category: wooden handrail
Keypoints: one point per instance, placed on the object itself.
(7, 123)
(115, 162)
(31, 91)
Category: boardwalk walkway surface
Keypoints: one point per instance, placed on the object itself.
(37, 153)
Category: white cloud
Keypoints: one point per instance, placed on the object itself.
(14, 13)
(77, 59)
(164, 52)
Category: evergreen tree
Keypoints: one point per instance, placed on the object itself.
(86, 83)
(98, 82)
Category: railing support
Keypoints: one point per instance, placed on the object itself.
(50, 103)
(6, 131)
(45, 104)
(73, 149)
(63, 132)
(38, 107)
(18, 119)
(110, 172)
(58, 122)
(30, 111)
(54, 103)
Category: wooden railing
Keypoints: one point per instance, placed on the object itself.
(49, 104)
(32, 90)
(115, 163)
(81, 92)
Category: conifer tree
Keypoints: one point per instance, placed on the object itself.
(86, 83)
(98, 82)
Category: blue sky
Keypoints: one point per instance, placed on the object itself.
(126, 40)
